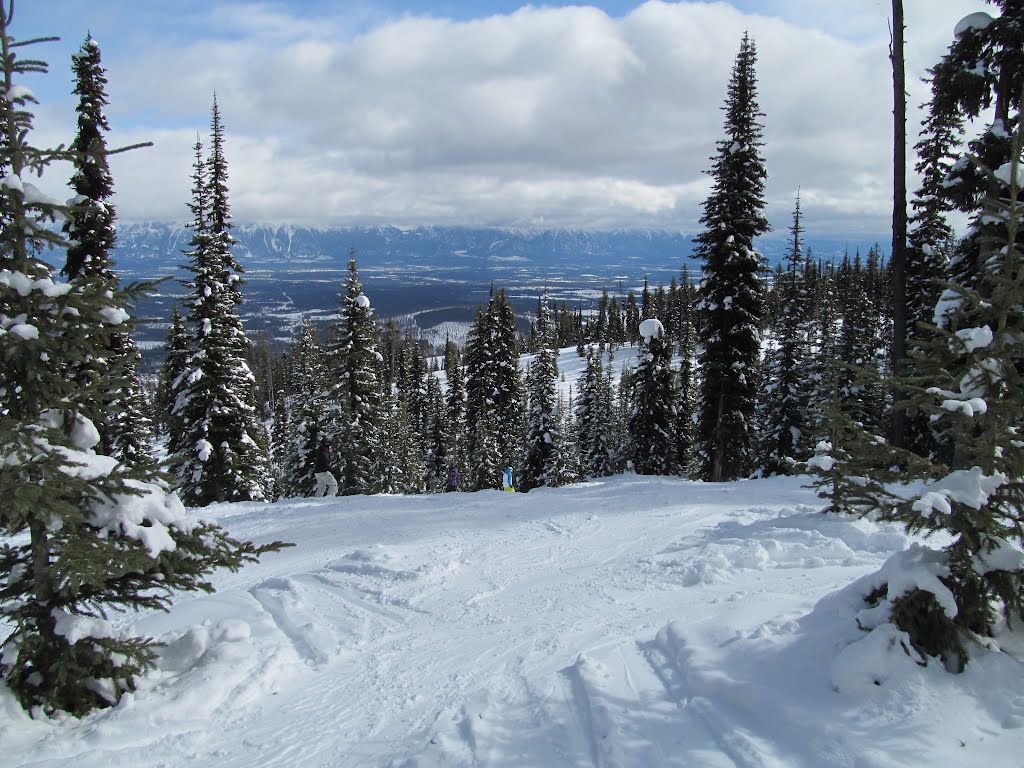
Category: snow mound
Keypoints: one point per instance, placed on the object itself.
(977, 20)
(773, 539)
(376, 560)
(651, 329)
(881, 656)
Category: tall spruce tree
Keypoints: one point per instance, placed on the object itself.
(356, 395)
(686, 335)
(304, 411)
(170, 378)
(969, 383)
(436, 458)
(731, 294)
(222, 453)
(859, 349)
(929, 245)
(543, 436)
(652, 408)
(494, 393)
(83, 534)
(455, 408)
(121, 416)
(786, 430)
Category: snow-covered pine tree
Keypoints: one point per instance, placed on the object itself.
(479, 408)
(305, 413)
(400, 467)
(176, 356)
(121, 416)
(543, 433)
(83, 534)
(785, 426)
(567, 467)
(412, 381)
(929, 244)
(822, 368)
(731, 294)
(509, 390)
(455, 408)
(652, 409)
(494, 394)
(860, 353)
(435, 437)
(973, 391)
(684, 428)
(982, 70)
(355, 397)
(222, 453)
(587, 408)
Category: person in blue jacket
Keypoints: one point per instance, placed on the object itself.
(506, 480)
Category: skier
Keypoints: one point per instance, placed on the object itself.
(325, 480)
(453, 478)
(506, 480)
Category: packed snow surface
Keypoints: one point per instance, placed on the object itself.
(622, 622)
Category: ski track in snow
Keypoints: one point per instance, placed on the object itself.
(570, 627)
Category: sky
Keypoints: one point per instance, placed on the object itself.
(489, 113)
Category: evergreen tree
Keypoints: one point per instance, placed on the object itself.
(731, 295)
(412, 382)
(494, 393)
(786, 427)
(587, 409)
(822, 366)
(859, 351)
(169, 380)
(400, 458)
(567, 466)
(455, 408)
(482, 451)
(929, 245)
(121, 414)
(970, 385)
(652, 412)
(436, 457)
(543, 436)
(83, 534)
(508, 381)
(355, 395)
(222, 453)
(304, 413)
(982, 70)
(686, 333)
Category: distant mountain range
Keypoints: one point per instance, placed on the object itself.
(150, 247)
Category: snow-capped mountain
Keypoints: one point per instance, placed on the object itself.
(142, 246)
(149, 246)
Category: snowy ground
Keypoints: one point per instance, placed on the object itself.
(632, 622)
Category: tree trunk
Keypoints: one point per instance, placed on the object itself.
(899, 212)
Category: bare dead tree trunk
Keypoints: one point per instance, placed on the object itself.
(898, 262)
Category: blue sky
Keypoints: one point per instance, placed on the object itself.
(489, 113)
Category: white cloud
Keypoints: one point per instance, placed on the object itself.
(546, 116)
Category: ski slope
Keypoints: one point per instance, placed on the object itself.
(626, 622)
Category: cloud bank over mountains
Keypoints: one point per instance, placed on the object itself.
(542, 117)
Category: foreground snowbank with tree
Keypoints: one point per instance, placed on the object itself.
(631, 621)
